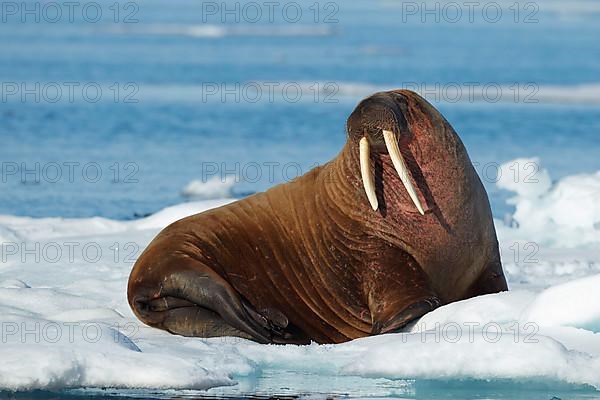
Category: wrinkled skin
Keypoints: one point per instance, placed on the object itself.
(310, 260)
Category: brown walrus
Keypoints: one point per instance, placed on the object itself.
(393, 227)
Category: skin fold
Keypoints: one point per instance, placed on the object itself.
(310, 260)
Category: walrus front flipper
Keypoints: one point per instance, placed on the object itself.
(491, 280)
(398, 293)
(412, 312)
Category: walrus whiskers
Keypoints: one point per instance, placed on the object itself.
(400, 165)
(365, 171)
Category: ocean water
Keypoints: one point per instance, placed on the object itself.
(158, 124)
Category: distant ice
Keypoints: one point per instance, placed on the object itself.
(486, 93)
(213, 31)
(214, 188)
(65, 321)
(261, 92)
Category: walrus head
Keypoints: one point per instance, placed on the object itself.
(400, 126)
(378, 123)
(423, 194)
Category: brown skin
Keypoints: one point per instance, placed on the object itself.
(310, 260)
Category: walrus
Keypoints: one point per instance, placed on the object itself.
(394, 226)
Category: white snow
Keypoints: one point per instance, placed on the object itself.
(65, 322)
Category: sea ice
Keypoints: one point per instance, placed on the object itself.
(65, 321)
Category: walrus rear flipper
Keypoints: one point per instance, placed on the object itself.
(197, 302)
(224, 312)
(200, 322)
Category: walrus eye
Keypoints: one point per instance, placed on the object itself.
(365, 172)
(400, 165)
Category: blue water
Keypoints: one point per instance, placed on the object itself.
(149, 149)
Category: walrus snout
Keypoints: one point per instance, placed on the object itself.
(377, 124)
(381, 111)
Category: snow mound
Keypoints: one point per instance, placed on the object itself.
(94, 355)
(483, 356)
(575, 303)
(564, 214)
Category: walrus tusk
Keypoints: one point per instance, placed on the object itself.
(400, 165)
(365, 172)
